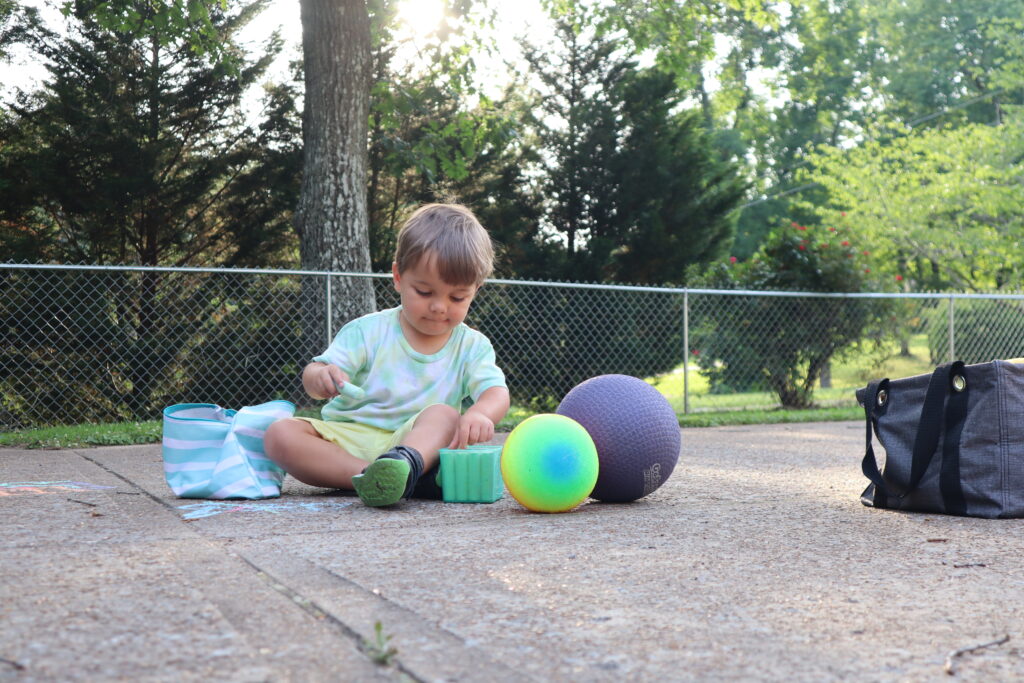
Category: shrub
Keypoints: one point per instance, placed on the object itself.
(781, 343)
(549, 339)
(984, 330)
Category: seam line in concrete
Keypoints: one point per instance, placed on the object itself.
(314, 610)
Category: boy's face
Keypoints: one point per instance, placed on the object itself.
(431, 306)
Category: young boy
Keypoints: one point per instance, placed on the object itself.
(416, 364)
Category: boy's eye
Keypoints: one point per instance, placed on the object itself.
(421, 293)
(458, 299)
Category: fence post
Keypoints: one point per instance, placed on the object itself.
(686, 352)
(327, 298)
(952, 336)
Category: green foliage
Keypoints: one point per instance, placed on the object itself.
(140, 342)
(985, 329)
(167, 22)
(425, 145)
(379, 649)
(674, 203)
(85, 435)
(137, 152)
(434, 137)
(13, 25)
(565, 336)
(824, 63)
(632, 184)
(682, 34)
(577, 125)
(938, 208)
(938, 55)
(783, 343)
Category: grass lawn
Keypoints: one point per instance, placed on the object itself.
(848, 375)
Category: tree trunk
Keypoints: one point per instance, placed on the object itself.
(331, 218)
(826, 376)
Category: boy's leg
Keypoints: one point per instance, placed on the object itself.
(393, 476)
(297, 447)
(432, 431)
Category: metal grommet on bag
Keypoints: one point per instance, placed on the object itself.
(959, 383)
(882, 397)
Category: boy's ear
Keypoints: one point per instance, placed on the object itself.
(395, 275)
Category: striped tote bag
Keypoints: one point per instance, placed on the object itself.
(211, 452)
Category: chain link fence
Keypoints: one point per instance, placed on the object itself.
(101, 344)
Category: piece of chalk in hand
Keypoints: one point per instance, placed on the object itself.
(351, 390)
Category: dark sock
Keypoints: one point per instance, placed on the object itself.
(428, 487)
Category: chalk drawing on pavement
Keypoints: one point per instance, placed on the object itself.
(209, 508)
(12, 488)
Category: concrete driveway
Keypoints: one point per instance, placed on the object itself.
(755, 561)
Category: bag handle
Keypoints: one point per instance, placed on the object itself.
(926, 441)
(956, 414)
(873, 407)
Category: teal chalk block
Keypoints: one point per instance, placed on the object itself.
(352, 391)
(471, 475)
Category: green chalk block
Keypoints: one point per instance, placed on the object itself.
(471, 475)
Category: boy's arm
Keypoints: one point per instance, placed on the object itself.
(493, 403)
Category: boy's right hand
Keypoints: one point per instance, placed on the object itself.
(323, 380)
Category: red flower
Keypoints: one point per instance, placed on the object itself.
(842, 213)
(866, 252)
(732, 259)
(794, 225)
(831, 229)
(899, 278)
(846, 243)
(696, 352)
(801, 247)
(867, 270)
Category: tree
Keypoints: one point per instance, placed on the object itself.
(632, 183)
(675, 200)
(949, 58)
(136, 151)
(939, 208)
(578, 130)
(332, 218)
(784, 343)
(823, 62)
(10, 26)
(428, 143)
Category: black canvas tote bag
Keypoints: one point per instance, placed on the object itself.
(953, 441)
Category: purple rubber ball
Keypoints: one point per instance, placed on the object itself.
(635, 430)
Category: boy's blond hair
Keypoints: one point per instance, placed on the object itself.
(452, 235)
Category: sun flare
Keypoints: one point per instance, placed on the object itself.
(421, 17)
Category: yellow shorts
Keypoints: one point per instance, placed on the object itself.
(363, 441)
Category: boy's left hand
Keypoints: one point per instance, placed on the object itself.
(473, 428)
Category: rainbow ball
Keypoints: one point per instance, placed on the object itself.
(549, 463)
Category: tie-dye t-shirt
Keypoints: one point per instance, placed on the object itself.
(399, 381)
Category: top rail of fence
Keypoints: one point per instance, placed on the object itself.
(533, 283)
